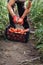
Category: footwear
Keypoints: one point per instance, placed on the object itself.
(27, 37)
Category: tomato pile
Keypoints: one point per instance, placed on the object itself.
(21, 31)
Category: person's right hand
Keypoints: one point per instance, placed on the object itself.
(15, 18)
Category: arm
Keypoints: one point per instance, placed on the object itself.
(27, 10)
(9, 6)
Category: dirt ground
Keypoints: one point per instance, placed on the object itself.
(16, 53)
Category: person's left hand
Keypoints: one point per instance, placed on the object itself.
(20, 21)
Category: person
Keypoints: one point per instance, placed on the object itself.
(22, 14)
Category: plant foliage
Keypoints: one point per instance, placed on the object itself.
(3, 14)
(36, 16)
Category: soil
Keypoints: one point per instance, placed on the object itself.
(16, 53)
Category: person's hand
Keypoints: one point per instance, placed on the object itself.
(20, 21)
(15, 18)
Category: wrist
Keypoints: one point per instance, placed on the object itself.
(22, 17)
(13, 16)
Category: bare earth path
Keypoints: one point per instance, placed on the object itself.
(16, 53)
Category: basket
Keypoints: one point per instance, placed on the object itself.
(13, 35)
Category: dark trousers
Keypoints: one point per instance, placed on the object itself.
(21, 10)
